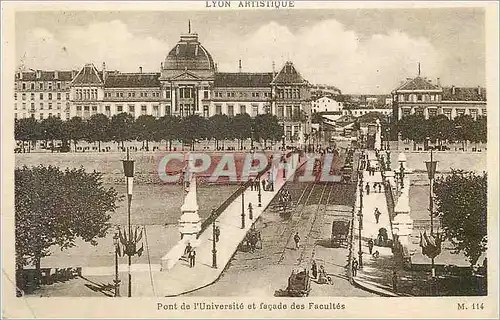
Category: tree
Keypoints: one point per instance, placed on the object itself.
(219, 128)
(414, 127)
(316, 117)
(440, 128)
(52, 129)
(463, 128)
(241, 126)
(121, 127)
(27, 130)
(267, 127)
(145, 127)
(75, 129)
(54, 207)
(461, 201)
(168, 129)
(193, 127)
(97, 129)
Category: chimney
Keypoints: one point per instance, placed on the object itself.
(140, 69)
(439, 82)
(56, 75)
(38, 74)
(239, 65)
(453, 90)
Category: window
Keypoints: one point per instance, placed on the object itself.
(79, 108)
(50, 105)
(15, 96)
(243, 109)
(168, 109)
(86, 108)
(50, 85)
(59, 86)
(15, 115)
(24, 96)
(119, 109)
(41, 106)
(32, 107)
(67, 96)
(155, 111)
(94, 109)
(484, 112)
(50, 115)
(460, 112)
(218, 94)
(41, 116)
(230, 111)
(58, 106)
(432, 112)
(218, 109)
(41, 96)
(280, 112)
(231, 94)
(50, 96)
(32, 86)
(473, 113)
(406, 112)
(58, 96)
(59, 115)
(255, 110)
(144, 110)
(205, 94)
(32, 96)
(167, 94)
(79, 94)
(131, 109)
(419, 97)
(15, 106)
(205, 111)
(67, 106)
(107, 110)
(40, 85)
(24, 85)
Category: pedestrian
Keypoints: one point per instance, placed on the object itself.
(367, 187)
(394, 282)
(354, 267)
(377, 215)
(188, 248)
(314, 270)
(217, 233)
(296, 238)
(370, 246)
(264, 184)
(375, 184)
(251, 184)
(380, 187)
(250, 211)
(256, 185)
(192, 258)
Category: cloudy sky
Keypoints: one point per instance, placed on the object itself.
(359, 51)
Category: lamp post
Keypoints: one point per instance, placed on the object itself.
(131, 239)
(243, 210)
(283, 142)
(116, 239)
(260, 191)
(431, 171)
(360, 226)
(214, 249)
(251, 139)
(250, 211)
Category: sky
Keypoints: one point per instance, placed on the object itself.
(356, 50)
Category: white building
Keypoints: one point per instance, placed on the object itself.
(327, 104)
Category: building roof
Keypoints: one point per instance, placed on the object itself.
(88, 75)
(289, 75)
(132, 80)
(464, 94)
(39, 75)
(243, 79)
(189, 54)
(418, 83)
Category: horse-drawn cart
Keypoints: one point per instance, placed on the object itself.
(340, 233)
(252, 240)
(299, 285)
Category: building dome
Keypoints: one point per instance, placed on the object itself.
(189, 54)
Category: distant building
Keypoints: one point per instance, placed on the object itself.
(420, 96)
(319, 90)
(188, 84)
(327, 104)
(359, 105)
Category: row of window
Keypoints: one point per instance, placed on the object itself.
(446, 111)
(42, 106)
(86, 94)
(50, 96)
(48, 85)
(419, 97)
(24, 115)
(288, 93)
(131, 94)
(219, 94)
(243, 110)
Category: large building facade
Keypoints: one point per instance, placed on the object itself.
(188, 83)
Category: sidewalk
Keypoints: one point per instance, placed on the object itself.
(376, 273)
(181, 278)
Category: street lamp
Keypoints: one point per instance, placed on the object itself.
(431, 171)
(214, 249)
(116, 239)
(131, 239)
(360, 226)
(250, 211)
(283, 142)
(243, 209)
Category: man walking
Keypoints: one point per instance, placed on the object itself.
(367, 188)
(377, 215)
(370, 246)
(192, 258)
(394, 282)
(354, 267)
(252, 183)
(296, 238)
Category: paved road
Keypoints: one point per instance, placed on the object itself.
(314, 206)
